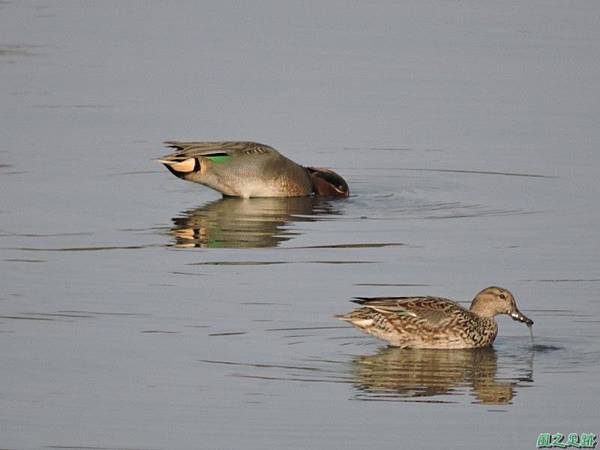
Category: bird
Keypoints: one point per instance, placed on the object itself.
(249, 169)
(435, 322)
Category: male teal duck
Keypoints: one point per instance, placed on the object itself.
(249, 169)
(434, 322)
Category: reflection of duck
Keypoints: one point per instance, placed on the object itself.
(249, 169)
(434, 322)
(246, 223)
(412, 373)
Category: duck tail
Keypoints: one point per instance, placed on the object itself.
(179, 167)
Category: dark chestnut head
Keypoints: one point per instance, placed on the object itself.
(327, 183)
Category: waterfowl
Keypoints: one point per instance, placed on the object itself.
(435, 322)
(249, 169)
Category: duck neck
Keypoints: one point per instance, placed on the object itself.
(482, 309)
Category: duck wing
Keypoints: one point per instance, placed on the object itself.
(432, 312)
(185, 150)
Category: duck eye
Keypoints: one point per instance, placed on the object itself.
(502, 296)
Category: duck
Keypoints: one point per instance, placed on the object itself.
(435, 322)
(249, 169)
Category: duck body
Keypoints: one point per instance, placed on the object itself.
(249, 169)
(434, 322)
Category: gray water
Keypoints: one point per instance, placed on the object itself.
(140, 311)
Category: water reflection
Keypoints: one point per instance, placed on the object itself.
(396, 374)
(247, 223)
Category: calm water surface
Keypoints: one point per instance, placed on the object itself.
(139, 311)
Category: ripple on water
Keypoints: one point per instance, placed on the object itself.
(268, 263)
(247, 223)
(392, 374)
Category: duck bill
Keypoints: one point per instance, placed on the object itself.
(518, 315)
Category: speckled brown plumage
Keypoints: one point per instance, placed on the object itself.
(435, 322)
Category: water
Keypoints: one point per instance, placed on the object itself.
(140, 311)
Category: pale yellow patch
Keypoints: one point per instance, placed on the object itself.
(183, 166)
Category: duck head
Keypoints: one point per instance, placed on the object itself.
(495, 300)
(327, 183)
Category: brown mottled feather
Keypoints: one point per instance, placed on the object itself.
(422, 322)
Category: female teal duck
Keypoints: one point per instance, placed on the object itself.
(434, 322)
(249, 169)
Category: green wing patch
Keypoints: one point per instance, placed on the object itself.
(219, 157)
